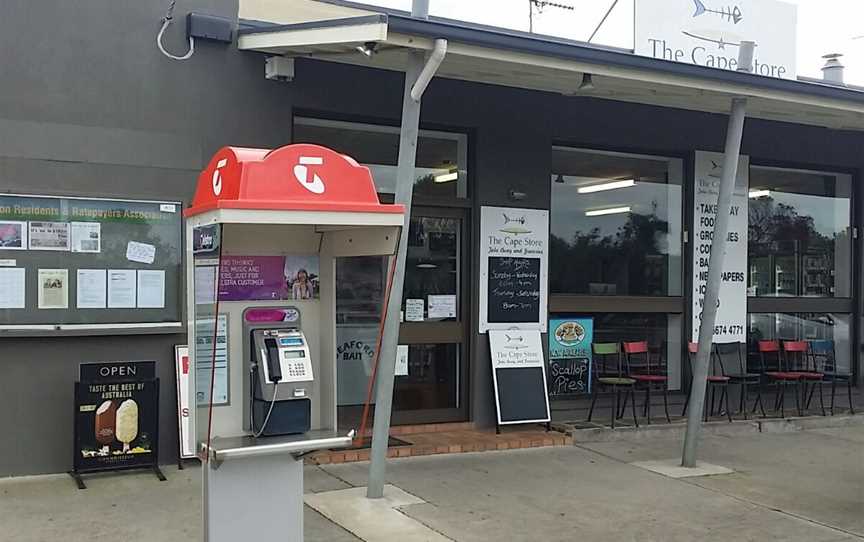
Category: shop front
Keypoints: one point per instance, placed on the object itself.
(508, 122)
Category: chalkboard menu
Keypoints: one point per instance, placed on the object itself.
(519, 376)
(514, 290)
(513, 268)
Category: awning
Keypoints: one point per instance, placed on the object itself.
(332, 30)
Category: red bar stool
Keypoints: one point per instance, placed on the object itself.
(797, 357)
(638, 366)
(775, 370)
(714, 381)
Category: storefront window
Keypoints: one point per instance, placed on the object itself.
(800, 242)
(615, 224)
(805, 327)
(441, 166)
(662, 331)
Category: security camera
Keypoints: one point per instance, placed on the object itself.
(279, 68)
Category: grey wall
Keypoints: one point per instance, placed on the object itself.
(88, 106)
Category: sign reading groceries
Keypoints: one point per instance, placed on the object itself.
(732, 309)
(710, 32)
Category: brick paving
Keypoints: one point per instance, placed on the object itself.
(452, 438)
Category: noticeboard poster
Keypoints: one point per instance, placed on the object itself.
(514, 259)
(570, 356)
(116, 416)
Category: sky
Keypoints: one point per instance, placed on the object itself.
(824, 26)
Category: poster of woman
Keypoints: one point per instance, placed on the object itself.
(301, 277)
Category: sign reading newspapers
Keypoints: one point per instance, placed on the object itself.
(732, 309)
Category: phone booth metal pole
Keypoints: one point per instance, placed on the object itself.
(262, 237)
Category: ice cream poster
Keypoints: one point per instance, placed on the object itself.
(116, 423)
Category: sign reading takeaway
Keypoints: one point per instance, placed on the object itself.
(710, 32)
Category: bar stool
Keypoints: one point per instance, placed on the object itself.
(777, 374)
(714, 381)
(638, 367)
(798, 361)
(606, 364)
(824, 359)
(735, 368)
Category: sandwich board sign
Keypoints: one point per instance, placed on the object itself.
(519, 376)
(709, 33)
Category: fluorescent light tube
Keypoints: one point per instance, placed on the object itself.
(447, 177)
(611, 211)
(759, 193)
(606, 186)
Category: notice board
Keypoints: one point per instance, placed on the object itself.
(514, 258)
(76, 262)
(519, 376)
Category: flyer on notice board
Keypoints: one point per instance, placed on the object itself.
(121, 288)
(86, 237)
(53, 288)
(13, 235)
(91, 289)
(12, 291)
(151, 289)
(49, 236)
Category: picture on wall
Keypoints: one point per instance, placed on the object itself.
(301, 277)
(13, 235)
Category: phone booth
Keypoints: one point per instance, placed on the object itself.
(262, 237)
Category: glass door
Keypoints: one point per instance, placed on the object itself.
(431, 386)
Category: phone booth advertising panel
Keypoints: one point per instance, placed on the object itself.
(262, 236)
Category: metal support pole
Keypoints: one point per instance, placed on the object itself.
(387, 357)
(734, 135)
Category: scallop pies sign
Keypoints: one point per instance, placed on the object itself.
(709, 33)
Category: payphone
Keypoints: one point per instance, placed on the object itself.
(262, 237)
(280, 373)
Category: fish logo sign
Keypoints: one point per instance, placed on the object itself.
(518, 227)
(732, 14)
(517, 339)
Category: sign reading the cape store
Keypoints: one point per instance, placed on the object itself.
(709, 33)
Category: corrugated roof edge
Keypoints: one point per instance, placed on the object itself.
(514, 40)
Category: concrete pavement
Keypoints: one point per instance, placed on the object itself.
(800, 486)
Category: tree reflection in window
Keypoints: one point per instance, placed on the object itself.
(799, 234)
(615, 241)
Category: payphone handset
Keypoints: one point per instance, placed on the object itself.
(286, 356)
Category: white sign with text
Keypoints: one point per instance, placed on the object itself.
(732, 310)
(514, 260)
(709, 33)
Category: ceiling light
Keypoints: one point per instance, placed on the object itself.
(606, 186)
(447, 177)
(368, 48)
(759, 194)
(587, 83)
(426, 266)
(610, 211)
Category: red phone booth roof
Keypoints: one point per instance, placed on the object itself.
(292, 178)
